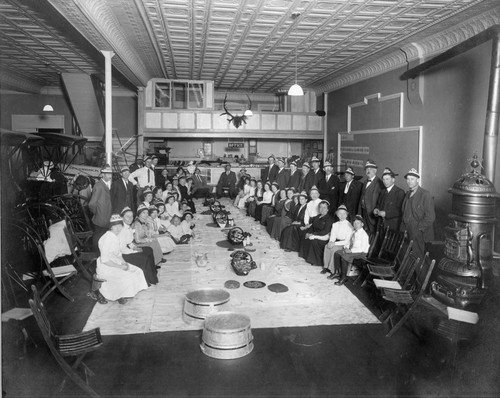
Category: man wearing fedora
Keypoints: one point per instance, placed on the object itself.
(369, 196)
(329, 187)
(227, 180)
(418, 213)
(143, 177)
(390, 203)
(122, 192)
(100, 205)
(295, 176)
(200, 187)
(283, 175)
(307, 178)
(316, 170)
(350, 193)
(270, 172)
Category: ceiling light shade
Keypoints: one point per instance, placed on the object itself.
(248, 113)
(295, 90)
(48, 108)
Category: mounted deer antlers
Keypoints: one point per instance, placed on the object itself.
(236, 120)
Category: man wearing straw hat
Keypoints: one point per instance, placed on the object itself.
(390, 202)
(350, 193)
(100, 205)
(369, 196)
(316, 170)
(329, 187)
(283, 175)
(143, 177)
(307, 178)
(418, 213)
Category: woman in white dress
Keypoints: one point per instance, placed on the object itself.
(160, 231)
(121, 280)
(247, 191)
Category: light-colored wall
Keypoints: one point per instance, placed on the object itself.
(452, 115)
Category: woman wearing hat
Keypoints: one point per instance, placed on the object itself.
(357, 248)
(144, 232)
(267, 198)
(160, 232)
(276, 223)
(247, 191)
(172, 206)
(340, 236)
(140, 257)
(290, 237)
(315, 238)
(255, 198)
(270, 209)
(147, 195)
(121, 280)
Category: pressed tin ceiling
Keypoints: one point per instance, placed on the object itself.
(243, 45)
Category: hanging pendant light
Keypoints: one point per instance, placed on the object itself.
(295, 89)
(48, 108)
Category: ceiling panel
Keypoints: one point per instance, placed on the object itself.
(245, 45)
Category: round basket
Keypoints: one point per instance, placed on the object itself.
(227, 335)
(199, 304)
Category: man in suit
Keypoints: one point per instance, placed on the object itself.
(418, 213)
(307, 178)
(227, 180)
(295, 176)
(122, 192)
(200, 187)
(369, 196)
(283, 175)
(317, 172)
(390, 202)
(329, 187)
(100, 205)
(270, 172)
(350, 193)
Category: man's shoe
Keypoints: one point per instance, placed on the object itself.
(324, 271)
(341, 282)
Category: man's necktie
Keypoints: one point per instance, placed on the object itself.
(346, 189)
(149, 176)
(368, 183)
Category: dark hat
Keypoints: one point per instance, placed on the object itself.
(107, 169)
(275, 184)
(281, 160)
(125, 210)
(271, 157)
(171, 195)
(152, 208)
(186, 213)
(342, 207)
(412, 172)
(359, 218)
(325, 201)
(115, 219)
(314, 188)
(370, 164)
(389, 172)
(159, 203)
(349, 170)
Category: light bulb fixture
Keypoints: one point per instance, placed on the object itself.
(295, 89)
(48, 108)
(248, 113)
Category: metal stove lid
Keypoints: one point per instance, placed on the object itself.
(474, 182)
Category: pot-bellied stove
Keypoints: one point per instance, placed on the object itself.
(463, 276)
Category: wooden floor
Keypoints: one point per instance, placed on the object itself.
(326, 361)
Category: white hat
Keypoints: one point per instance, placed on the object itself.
(370, 164)
(413, 172)
(107, 169)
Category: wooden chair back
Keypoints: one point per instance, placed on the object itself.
(391, 244)
(406, 270)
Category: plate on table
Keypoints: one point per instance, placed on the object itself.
(254, 284)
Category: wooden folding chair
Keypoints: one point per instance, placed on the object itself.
(387, 270)
(70, 345)
(407, 299)
(372, 252)
(83, 260)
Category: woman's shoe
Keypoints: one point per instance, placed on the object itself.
(341, 282)
(163, 260)
(333, 276)
(122, 300)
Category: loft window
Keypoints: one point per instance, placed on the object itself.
(180, 94)
(162, 95)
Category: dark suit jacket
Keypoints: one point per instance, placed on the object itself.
(121, 197)
(228, 180)
(270, 175)
(317, 177)
(307, 182)
(100, 204)
(295, 179)
(330, 190)
(369, 196)
(351, 198)
(282, 178)
(418, 214)
(199, 184)
(392, 204)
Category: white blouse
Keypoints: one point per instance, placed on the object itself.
(360, 242)
(311, 210)
(341, 232)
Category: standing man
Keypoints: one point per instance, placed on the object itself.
(307, 178)
(270, 172)
(122, 192)
(283, 175)
(418, 213)
(100, 205)
(318, 173)
(227, 180)
(369, 196)
(143, 177)
(295, 176)
(329, 187)
(390, 202)
(350, 193)
(200, 187)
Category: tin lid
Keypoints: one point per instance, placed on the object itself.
(208, 296)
